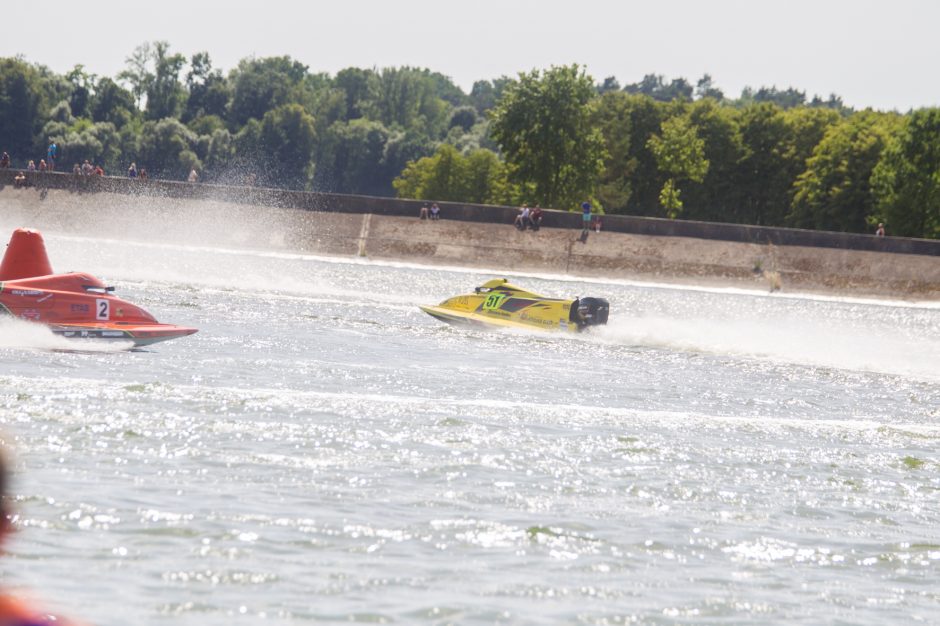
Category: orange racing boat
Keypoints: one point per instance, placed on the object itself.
(73, 305)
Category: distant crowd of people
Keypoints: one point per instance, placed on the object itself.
(87, 168)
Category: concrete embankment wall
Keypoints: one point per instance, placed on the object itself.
(383, 228)
(341, 203)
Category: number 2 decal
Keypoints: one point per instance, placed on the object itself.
(102, 309)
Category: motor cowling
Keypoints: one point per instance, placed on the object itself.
(589, 312)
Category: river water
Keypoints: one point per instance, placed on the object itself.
(324, 452)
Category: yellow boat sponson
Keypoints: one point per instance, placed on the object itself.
(499, 304)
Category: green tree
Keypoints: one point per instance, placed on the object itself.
(165, 92)
(643, 180)
(404, 146)
(485, 180)
(655, 86)
(221, 163)
(705, 88)
(357, 85)
(22, 104)
(543, 125)
(112, 103)
(447, 175)
(834, 192)
(137, 73)
(98, 142)
(906, 180)
(612, 116)
(610, 84)
(287, 140)
(408, 98)
(261, 85)
(350, 159)
(716, 197)
(762, 177)
(167, 149)
(208, 90)
(485, 94)
(83, 84)
(680, 154)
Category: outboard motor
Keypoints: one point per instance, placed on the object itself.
(589, 312)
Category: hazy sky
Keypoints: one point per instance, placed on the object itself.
(883, 54)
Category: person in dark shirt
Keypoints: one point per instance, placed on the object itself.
(535, 217)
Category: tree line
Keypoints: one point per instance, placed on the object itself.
(552, 137)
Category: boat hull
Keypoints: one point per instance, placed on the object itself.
(498, 304)
(138, 334)
(74, 305)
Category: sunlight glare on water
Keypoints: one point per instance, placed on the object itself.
(322, 452)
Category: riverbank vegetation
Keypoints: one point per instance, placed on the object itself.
(551, 137)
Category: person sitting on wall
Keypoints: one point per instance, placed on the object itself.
(435, 211)
(523, 220)
(881, 230)
(31, 166)
(535, 217)
(19, 181)
(132, 171)
(143, 173)
(423, 213)
(42, 165)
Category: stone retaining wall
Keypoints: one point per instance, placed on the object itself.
(494, 247)
(339, 203)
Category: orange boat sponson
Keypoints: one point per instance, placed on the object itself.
(73, 305)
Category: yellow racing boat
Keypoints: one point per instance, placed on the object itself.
(499, 304)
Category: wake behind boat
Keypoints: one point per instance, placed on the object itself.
(498, 304)
(73, 305)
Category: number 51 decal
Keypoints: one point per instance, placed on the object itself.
(493, 301)
(102, 309)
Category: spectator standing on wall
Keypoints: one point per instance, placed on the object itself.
(143, 173)
(881, 230)
(585, 220)
(51, 156)
(4, 160)
(42, 165)
(31, 166)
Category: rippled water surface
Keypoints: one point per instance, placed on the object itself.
(322, 451)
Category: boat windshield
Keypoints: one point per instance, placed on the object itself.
(95, 289)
